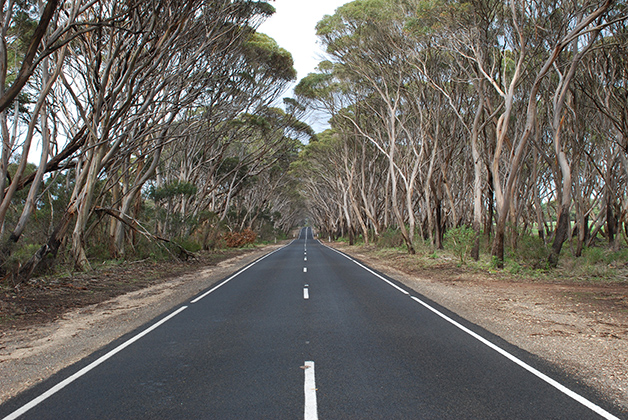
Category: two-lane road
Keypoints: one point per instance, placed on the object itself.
(307, 332)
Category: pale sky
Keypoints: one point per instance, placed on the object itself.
(293, 26)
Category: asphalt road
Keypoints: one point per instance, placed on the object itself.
(306, 332)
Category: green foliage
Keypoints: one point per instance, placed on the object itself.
(495, 262)
(514, 267)
(99, 252)
(263, 51)
(432, 15)
(601, 255)
(532, 251)
(20, 256)
(314, 86)
(390, 238)
(189, 244)
(171, 190)
(596, 264)
(460, 240)
(263, 8)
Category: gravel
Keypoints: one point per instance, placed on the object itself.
(29, 356)
(583, 338)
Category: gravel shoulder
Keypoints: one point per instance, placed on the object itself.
(583, 329)
(31, 354)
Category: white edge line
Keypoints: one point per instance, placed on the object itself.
(369, 270)
(577, 397)
(309, 388)
(213, 289)
(89, 367)
(599, 410)
(122, 346)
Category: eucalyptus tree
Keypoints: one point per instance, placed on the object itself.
(602, 83)
(532, 91)
(258, 71)
(365, 38)
(442, 31)
(318, 179)
(30, 31)
(128, 80)
(236, 167)
(574, 24)
(33, 45)
(124, 71)
(505, 51)
(224, 134)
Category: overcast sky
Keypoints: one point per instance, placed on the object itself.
(293, 26)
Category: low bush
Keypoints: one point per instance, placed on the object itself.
(460, 240)
(532, 252)
(20, 256)
(189, 244)
(239, 239)
(390, 238)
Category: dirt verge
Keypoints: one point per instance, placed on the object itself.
(53, 323)
(582, 328)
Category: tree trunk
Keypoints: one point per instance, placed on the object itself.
(48, 251)
(477, 183)
(498, 243)
(440, 232)
(562, 232)
(84, 201)
(488, 227)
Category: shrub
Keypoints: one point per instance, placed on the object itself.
(532, 252)
(460, 240)
(595, 255)
(239, 239)
(390, 238)
(21, 255)
(189, 244)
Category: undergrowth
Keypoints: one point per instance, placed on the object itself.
(528, 261)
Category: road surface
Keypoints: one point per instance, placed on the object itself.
(308, 333)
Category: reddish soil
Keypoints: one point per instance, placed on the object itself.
(580, 326)
(45, 299)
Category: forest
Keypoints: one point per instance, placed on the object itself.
(484, 122)
(159, 129)
(155, 127)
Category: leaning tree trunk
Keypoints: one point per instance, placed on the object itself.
(48, 251)
(84, 202)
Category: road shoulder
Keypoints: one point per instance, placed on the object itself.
(585, 337)
(31, 355)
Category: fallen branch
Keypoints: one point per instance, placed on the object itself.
(137, 227)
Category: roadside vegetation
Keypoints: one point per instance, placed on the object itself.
(496, 131)
(154, 128)
(597, 265)
(492, 134)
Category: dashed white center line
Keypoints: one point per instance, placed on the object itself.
(306, 293)
(305, 269)
(311, 411)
